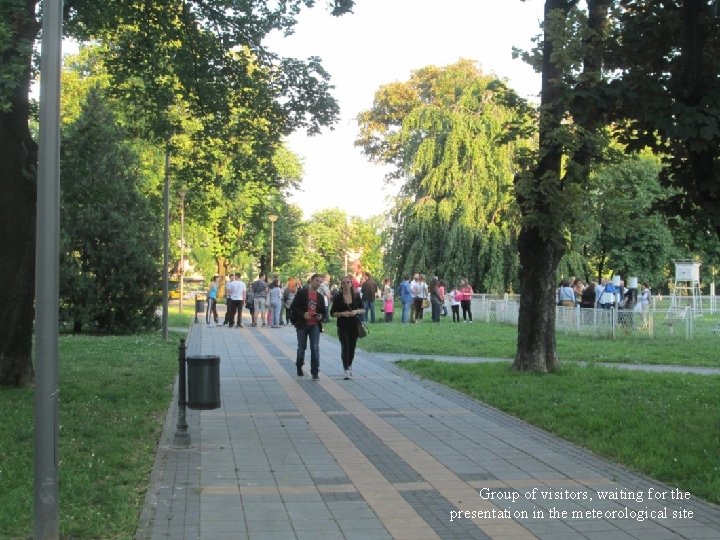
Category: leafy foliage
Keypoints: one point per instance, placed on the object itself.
(110, 237)
(328, 236)
(666, 95)
(444, 131)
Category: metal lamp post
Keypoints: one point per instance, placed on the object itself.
(47, 278)
(182, 246)
(166, 243)
(273, 219)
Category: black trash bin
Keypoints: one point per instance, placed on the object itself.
(203, 374)
(199, 303)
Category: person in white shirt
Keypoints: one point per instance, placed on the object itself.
(414, 291)
(454, 304)
(237, 299)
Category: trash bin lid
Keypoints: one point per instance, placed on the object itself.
(201, 358)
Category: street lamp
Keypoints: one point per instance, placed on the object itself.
(273, 219)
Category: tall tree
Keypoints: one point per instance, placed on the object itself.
(110, 236)
(158, 50)
(18, 168)
(548, 191)
(666, 95)
(634, 236)
(444, 131)
(328, 237)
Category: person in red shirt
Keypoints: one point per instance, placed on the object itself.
(308, 308)
(467, 292)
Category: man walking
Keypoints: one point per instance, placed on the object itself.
(308, 309)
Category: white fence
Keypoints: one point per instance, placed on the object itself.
(658, 322)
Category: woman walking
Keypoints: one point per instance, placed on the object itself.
(346, 307)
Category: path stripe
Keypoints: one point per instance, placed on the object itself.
(399, 518)
(460, 493)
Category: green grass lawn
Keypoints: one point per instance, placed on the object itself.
(114, 393)
(184, 319)
(663, 425)
(493, 340)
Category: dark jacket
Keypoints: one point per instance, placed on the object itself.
(299, 307)
(339, 305)
(369, 290)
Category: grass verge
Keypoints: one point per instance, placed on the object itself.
(664, 425)
(493, 340)
(114, 393)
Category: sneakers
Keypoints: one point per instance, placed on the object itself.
(350, 372)
(300, 372)
(347, 375)
(240, 325)
(316, 377)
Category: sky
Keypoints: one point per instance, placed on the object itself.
(382, 42)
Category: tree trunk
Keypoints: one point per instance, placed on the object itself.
(540, 243)
(18, 172)
(222, 268)
(536, 323)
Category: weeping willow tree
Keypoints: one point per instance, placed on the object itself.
(444, 132)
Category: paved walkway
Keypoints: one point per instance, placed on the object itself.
(654, 368)
(385, 455)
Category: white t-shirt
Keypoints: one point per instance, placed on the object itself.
(415, 288)
(237, 292)
(453, 299)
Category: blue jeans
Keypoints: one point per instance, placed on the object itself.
(436, 311)
(276, 313)
(369, 308)
(407, 306)
(303, 333)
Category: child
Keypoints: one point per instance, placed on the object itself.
(455, 304)
(388, 303)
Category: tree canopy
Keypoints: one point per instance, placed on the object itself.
(189, 73)
(444, 131)
(110, 237)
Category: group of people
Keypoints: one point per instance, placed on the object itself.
(418, 294)
(352, 304)
(266, 301)
(603, 295)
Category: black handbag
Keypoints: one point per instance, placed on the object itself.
(362, 328)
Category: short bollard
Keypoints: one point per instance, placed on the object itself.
(182, 435)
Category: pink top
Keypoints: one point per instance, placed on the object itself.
(465, 293)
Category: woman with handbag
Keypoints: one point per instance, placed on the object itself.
(346, 307)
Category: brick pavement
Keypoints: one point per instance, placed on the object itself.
(385, 455)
